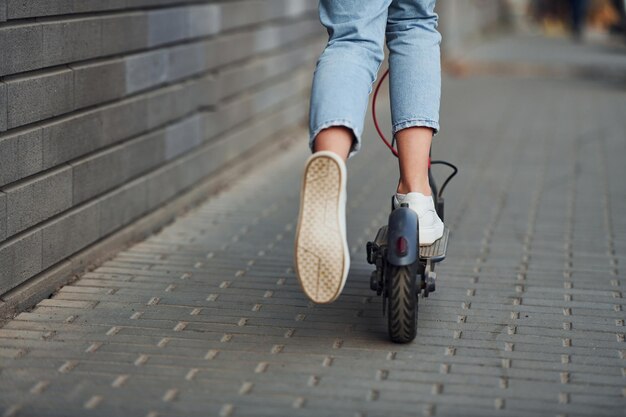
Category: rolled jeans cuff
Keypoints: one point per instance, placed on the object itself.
(417, 122)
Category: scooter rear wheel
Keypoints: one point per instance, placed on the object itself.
(402, 303)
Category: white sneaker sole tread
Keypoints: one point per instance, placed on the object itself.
(321, 253)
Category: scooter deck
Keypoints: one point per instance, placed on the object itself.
(434, 253)
(437, 251)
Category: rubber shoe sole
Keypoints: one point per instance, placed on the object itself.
(322, 258)
(429, 235)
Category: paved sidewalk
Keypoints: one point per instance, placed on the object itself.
(206, 318)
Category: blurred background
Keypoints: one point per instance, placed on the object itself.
(583, 20)
(565, 35)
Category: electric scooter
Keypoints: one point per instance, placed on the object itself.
(404, 269)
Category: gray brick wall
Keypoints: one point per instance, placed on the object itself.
(111, 108)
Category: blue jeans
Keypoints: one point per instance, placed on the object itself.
(348, 66)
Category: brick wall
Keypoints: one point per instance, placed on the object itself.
(110, 108)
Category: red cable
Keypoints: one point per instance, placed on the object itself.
(380, 133)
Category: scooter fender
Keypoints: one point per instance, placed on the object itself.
(402, 237)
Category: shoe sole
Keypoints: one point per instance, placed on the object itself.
(321, 252)
(430, 235)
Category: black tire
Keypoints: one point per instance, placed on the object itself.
(402, 303)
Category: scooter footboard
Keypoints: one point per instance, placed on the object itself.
(437, 251)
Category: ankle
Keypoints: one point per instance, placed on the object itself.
(421, 187)
(337, 139)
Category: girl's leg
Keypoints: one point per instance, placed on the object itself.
(345, 72)
(337, 139)
(415, 87)
(413, 149)
(342, 81)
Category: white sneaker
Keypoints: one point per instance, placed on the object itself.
(322, 258)
(430, 225)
